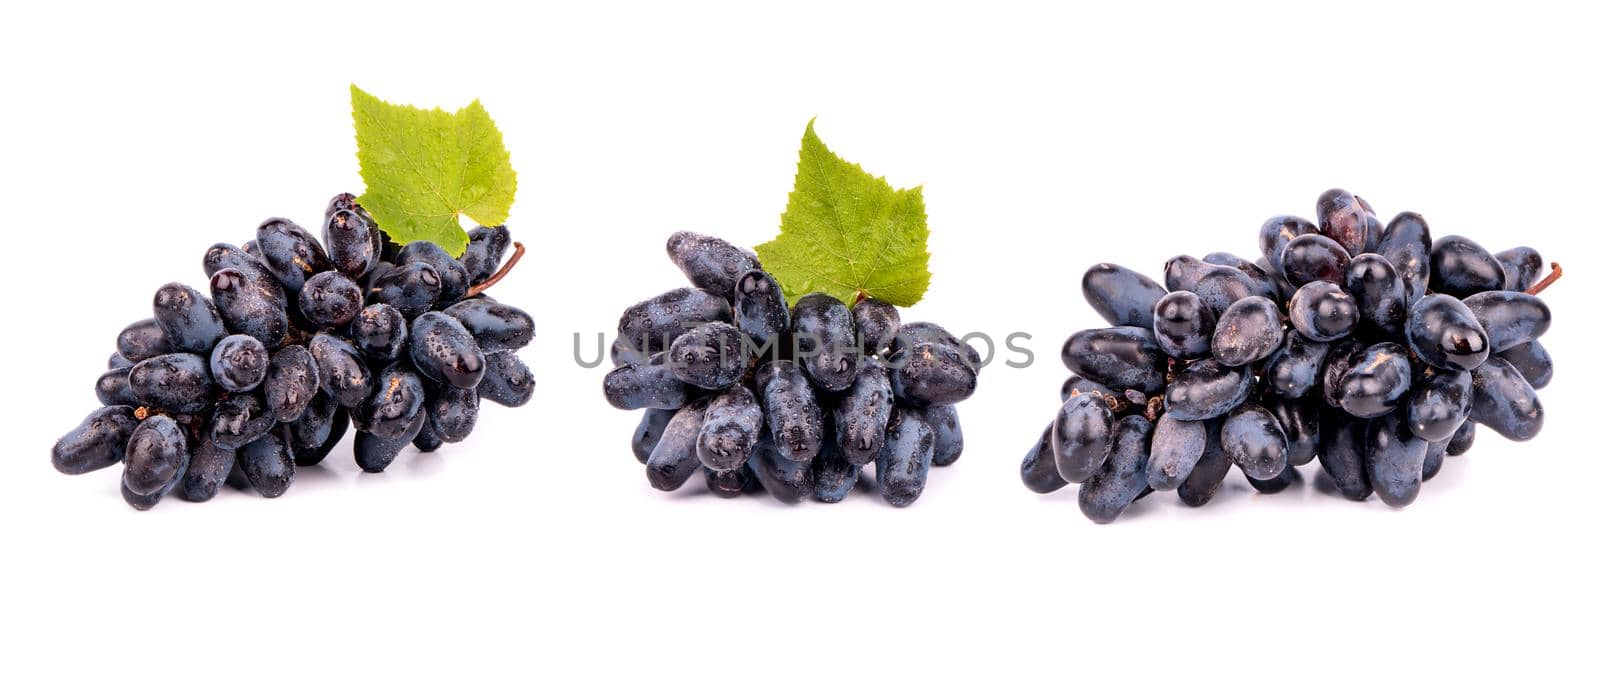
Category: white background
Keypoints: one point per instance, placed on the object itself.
(1046, 138)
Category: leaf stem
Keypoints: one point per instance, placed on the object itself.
(1555, 274)
(504, 269)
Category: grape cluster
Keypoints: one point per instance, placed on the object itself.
(751, 393)
(1373, 347)
(298, 341)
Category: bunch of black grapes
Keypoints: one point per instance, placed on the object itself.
(298, 341)
(751, 393)
(1373, 347)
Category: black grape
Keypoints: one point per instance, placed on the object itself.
(1440, 404)
(1276, 234)
(142, 340)
(1121, 296)
(787, 480)
(179, 383)
(730, 430)
(397, 399)
(250, 308)
(1208, 473)
(350, 242)
(188, 320)
(653, 324)
(113, 388)
(760, 310)
(1522, 266)
(825, 339)
(1532, 361)
(157, 452)
(375, 453)
(1293, 370)
(648, 433)
(1510, 318)
(794, 418)
(1462, 268)
(343, 373)
(486, 246)
(931, 373)
(292, 381)
(1310, 258)
(710, 263)
(1081, 437)
(239, 363)
(1220, 286)
(1247, 332)
(1343, 452)
(1206, 390)
(731, 484)
(497, 327)
(907, 454)
(918, 332)
(1175, 448)
(1323, 312)
(1039, 472)
(380, 332)
(675, 458)
(1121, 479)
(1408, 246)
(507, 380)
(1462, 441)
(98, 442)
(1378, 291)
(877, 323)
(640, 386)
(413, 289)
(1377, 382)
(1346, 219)
(1434, 460)
(1255, 441)
(452, 413)
(444, 351)
(291, 254)
(1289, 477)
(862, 414)
(1183, 325)
(330, 299)
(208, 470)
(1124, 357)
(710, 356)
(1301, 422)
(948, 440)
(1504, 401)
(832, 476)
(1444, 333)
(1394, 460)
(453, 280)
(238, 421)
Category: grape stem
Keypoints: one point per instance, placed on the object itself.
(504, 269)
(1555, 274)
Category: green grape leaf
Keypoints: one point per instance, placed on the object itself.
(424, 169)
(848, 234)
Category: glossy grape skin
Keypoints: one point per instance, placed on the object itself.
(452, 413)
(825, 340)
(1294, 370)
(209, 466)
(710, 263)
(1206, 390)
(1247, 332)
(1378, 292)
(1080, 438)
(832, 476)
(1343, 452)
(1206, 477)
(1346, 219)
(1504, 401)
(730, 430)
(905, 458)
(1255, 441)
(223, 255)
(453, 278)
(1408, 245)
(507, 380)
(709, 356)
(341, 371)
(1323, 311)
(1182, 272)
(1510, 318)
(443, 350)
(787, 480)
(351, 244)
(117, 361)
(1439, 405)
(1289, 477)
(1183, 325)
(877, 322)
(397, 398)
(157, 451)
(98, 442)
(1376, 383)
(1077, 385)
(794, 419)
(1175, 448)
(1123, 358)
(428, 439)
(375, 453)
(178, 383)
(1122, 478)
(142, 340)
(674, 459)
(645, 436)
(861, 416)
(1394, 460)
(290, 253)
(412, 288)
(1532, 361)
(948, 440)
(1122, 296)
(760, 310)
(380, 332)
(1276, 234)
(653, 324)
(318, 431)
(1265, 283)
(1522, 266)
(1444, 333)
(1310, 258)
(188, 320)
(1462, 441)
(1433, 461)
(1218, 287)
(1039, 472)
(918, 332)
(146, 501)
(113, 388)
(249, 308)
(330, 299)
(238, 421)
(497, 327)
(291, 383)
(640, 386)
(1301, 422)
(239, 363)
(1462, 268)
(730, 484)
(486, 246)
(929, 374)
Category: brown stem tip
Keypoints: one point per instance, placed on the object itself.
(1555, 274)
(504, 269)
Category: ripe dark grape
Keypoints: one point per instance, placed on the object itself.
(1121, 479)
(747, 391)
(295, 341)
(1121, 296)
(1396, 348)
